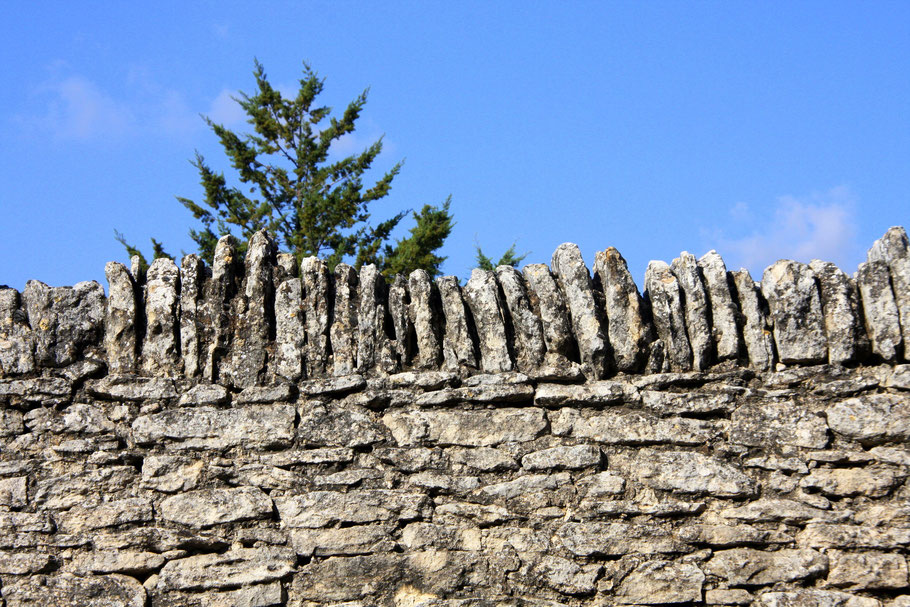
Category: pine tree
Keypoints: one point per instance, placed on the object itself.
(289, 187)
(509, 258)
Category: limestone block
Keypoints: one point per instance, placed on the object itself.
(330, 425)
(660, 582)
(841, 482)
(344, 331)
(755, 321)
(572, 458)
(290, 332)
(724, 310)
(844, 329)
(748, 567)
(236, 567)
(764, 423)
(584, 313)
(815, 598)
(481, 295)
(120, 340)
(375, 352)
(346, 541)
(215, 312)
(880, 309)
(473, 428)
(457, 345)
(662, 291)
(867, 570)
(791, 289)
(160, 345)
(256, 426)
(314, 277)
(399, 303)
(872, 418)
(550, 305)
(64, 320)
(894, 249)
(192, 281)
(17, 342)
(526, 325)
(684, 472)
(424, 315)
(695, 308)
(66, 590)
(616, 538)
(316, 509)
(207, 507)
(627, 331)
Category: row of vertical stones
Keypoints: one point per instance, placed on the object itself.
(272, 319)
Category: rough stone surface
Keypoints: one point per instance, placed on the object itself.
(756, 323)
(550, 305)
(162, 330)
(120, 339)
(457, 346)
(66, 590)
(210, 428)
(748, 567)
(628, 332)
(874, 418)
(17, 342)
(375, 352)
(290, 332)
(799, 331)
(64, 320)
(660, 582)
(526, 326)
(695, 306)
(192, 280)
(894, 250)
(686, 472)
(841, 306)
(724, 312)
(216, 309)
(424, 313)
(663, 293)
(208, 507)
(481, 295)
(345, 321)
(880, 309)
(314, 277)
(399, 303)
(236, 567)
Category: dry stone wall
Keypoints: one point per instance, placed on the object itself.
(276, 434)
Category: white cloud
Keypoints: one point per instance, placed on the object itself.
(79, 109)
(818, 226)
(224, 110)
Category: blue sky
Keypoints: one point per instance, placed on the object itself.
(762, 130)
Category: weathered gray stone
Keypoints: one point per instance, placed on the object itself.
(170, 474)
(854, 537)
(724, 312)
(842, 482)
(375, 352)
(687, 403)
(64, 320)
(17, 342)
(316, 509)
(663, 293)
(46, 391)
(867, 570)
(83, 418)
(105, 514)
(314, 276)
(525, 485)
(873, 418)
(67, 590)
(899, 378)
(256, 426)
(265, 394)
(591, 393)
(399, 302)
(894, 249)
(799, 324)
(14, 492)
(550, 305)
(24, 564)
(332, 385)
(476, 428)
(600, 484)
(684, 472)
(728, 596)
(764, 423)
(481, 295)
(424, 314)
(290, 332)
(643, 429)
(730, 535)
(130, 562)
(216, 309)
(628, 333)
(563, 575)
(252, 315)
(206, 507)
(695, 308)
(526, 326)
(160, 345)
(844, 330)
(131, 388)
(239, 566)
(584, 313)
(879, 309)
(359, 539)
(204, 394)
(662, 582)
(756, 324)
(748, 567)
(486, 459)
(11, 423)
(572, 458)
(344, 331)
(616, 538)
(192, 280)
(815, 598)
(330, 425)
(781, 510)
(120, 340)
(457, 344)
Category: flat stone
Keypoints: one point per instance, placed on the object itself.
(332, 385)
(854, 536)
(14, 492)
(628, 332)
(424, 314)
(331, 426)
(82, 418)
(879, 309)
(344, 330)
(265, 394)
(457, 345)
(616, 538)
(260, 595)
(894, 249)
(899, 378)
(600, 484)
(815, 598)
(479, 514)
(748, 567)
(206, 507)
(873, 418)
(316, 509)
(24, 563)
(17, 342)
(550, 305)
(662, 582)
(563, 575)
(695, 306)
(643, 429)
(309, 456)
(64, 320)
(66, 590)
(585, 315)
(192, 280)
(290, 331)
(127, 387)
(237, 567)
(763, 423)
(730, 535)
(481, 295)
(687, 403)
(204, 394)
(160, 345)
(841, 306)
(120, 340)
(527, 328)
(314, 279)
(663, 293)
(347, 541)
(795, 305)
(841, 482)
(592, 393)
(524, 485)
(684, 472)
(170, 474)
(255, 426)
(756, 325)
(572, 458)
(486, 459)
(129, 562)
(477, 428)
(42, 390)
(105, 514)
(782, 510)
(728, 596)
(867, 570)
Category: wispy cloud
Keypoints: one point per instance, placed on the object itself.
(78, 109)
(817, 226)
(225, 110)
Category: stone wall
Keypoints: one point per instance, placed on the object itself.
(247, 436)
